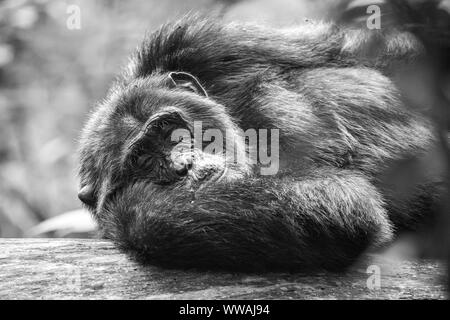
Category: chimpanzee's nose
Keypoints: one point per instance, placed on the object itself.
(86, 195)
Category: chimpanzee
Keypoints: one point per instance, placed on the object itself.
(333, 116)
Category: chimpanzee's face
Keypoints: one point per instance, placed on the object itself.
(143, 132)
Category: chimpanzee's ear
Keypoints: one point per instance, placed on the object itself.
(187, 81)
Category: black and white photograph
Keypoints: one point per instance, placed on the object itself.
(241, 152)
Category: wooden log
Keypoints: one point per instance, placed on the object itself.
(94, 269)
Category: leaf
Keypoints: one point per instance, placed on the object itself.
(72, 222)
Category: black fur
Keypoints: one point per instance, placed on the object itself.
(342, 123)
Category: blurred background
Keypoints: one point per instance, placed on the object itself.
(52, 72)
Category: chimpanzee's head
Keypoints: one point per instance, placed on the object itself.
(144, 132)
